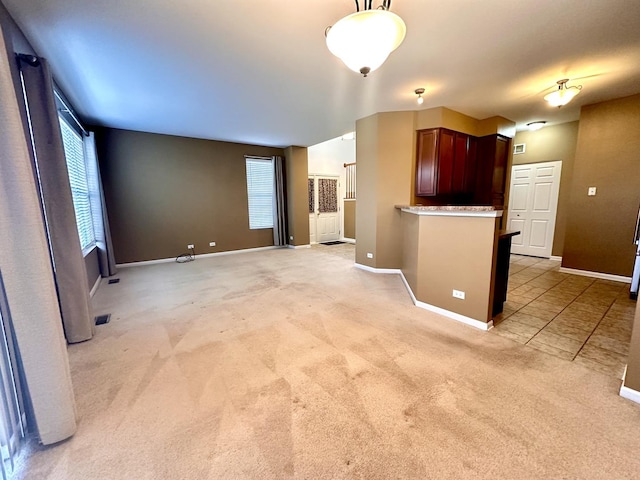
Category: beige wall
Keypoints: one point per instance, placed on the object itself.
(296, 166)
(385, 154)
(548, 144)
(349, 218)
(164, 192)
(600, 228)
(443, 253)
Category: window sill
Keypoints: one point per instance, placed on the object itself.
(87, 250)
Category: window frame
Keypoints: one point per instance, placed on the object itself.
(259, 199)
(85, 192)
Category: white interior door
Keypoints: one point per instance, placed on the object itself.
(324, 221)
(533, 203)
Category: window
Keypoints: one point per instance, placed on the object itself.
(74, 153)
(260, 192)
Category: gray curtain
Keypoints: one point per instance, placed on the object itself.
(99, 209)
(28, 276)
(279, 203)
(52, 176)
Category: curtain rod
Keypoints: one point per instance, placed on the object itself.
(70, 112)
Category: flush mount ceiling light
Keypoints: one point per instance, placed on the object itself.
(419, 92)
(533, 126)
(364, 40)
(563, 94)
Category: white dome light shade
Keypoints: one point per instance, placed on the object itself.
(364, 40)
(563, 95)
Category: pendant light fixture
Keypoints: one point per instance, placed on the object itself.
(563, 94)
(364, 40)
(419, 92)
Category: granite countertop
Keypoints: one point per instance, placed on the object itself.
(448, 208)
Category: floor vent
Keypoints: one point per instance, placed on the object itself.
(102, 319)
(114, 280)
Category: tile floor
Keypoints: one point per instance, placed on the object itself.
(580, 319)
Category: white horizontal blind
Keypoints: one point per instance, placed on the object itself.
(74, 153)
(260, 192)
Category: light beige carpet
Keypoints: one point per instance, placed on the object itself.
(295, 364)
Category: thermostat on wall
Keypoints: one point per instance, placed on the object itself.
(519, 148)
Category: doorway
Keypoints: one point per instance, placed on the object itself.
(533, 204)
(324, 210)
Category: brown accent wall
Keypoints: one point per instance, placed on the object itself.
(443, 253)
(600, 228)
(297, 167)
(385, 152)
(349, 211)
(164, 192)
(557, 142)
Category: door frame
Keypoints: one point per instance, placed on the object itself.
(315, 204)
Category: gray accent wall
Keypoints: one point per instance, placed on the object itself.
(164, 192)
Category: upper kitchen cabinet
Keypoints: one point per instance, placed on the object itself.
(445, 163)
(491, 173)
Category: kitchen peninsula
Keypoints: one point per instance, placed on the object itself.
(454, 249)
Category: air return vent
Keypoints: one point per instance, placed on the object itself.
(102, 319)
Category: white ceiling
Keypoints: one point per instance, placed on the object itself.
(259, 71)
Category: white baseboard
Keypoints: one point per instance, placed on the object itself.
(377, 270)
(202, 255)
(348, 240)
(94, 289)
(299, 246)
(630, 394)
(603, 276)
(446, 313)
(432, 308)
(555, 259)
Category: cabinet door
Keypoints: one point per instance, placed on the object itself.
(500, 170)
(426, 162)
(460, 155)
(470, 170)
(445, 169)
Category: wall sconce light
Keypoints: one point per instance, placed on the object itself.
(364, 40)
(563, 94)
(419, 92)
(533, 126)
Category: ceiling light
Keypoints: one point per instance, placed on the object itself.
(563, 95)
(419, 92)
(533, 126)
(364, 40)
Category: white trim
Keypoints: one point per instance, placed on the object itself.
(94, 289)
(630, 394)
(348, 240)
(299, 246)
(447, 313)
(203, 255)
(454, 213)
(349, 199)
(377, 270)
(604, 276)
(555, 259)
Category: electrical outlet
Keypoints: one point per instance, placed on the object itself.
(591, 192)
(458, 294)
(369, 255)
(290, 237)
(190, 246)
(212, 244)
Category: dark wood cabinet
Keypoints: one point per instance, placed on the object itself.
(458, 168)
(443, 163)
(492, 156)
